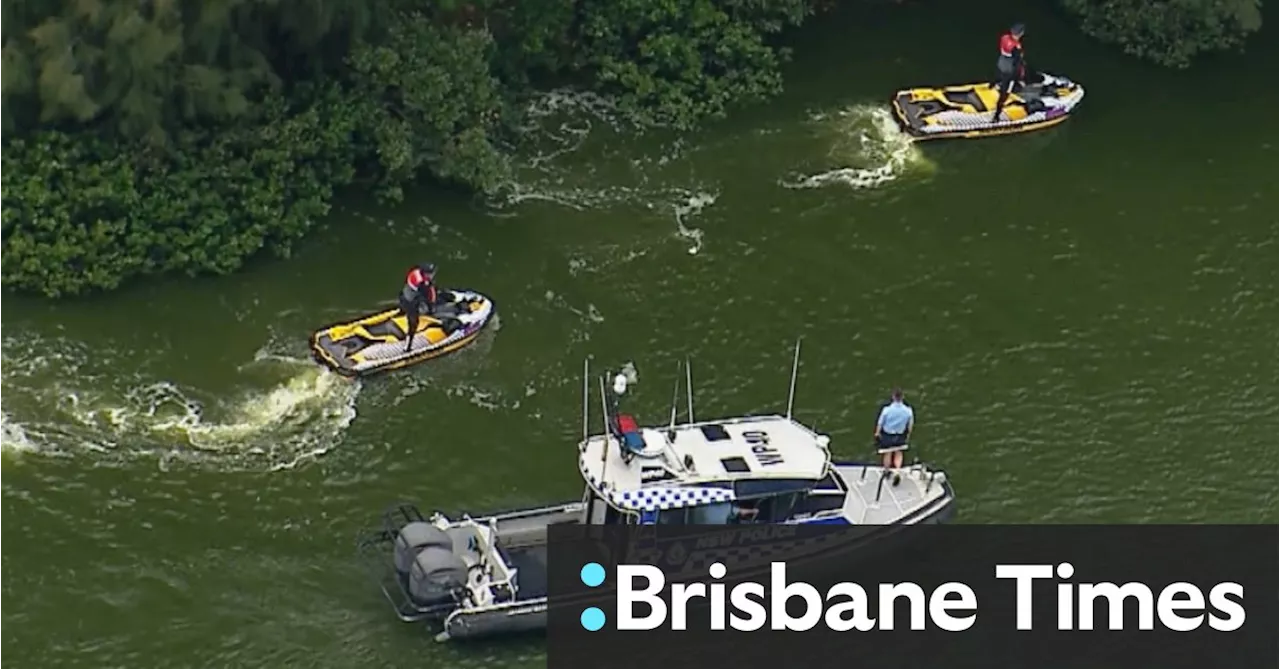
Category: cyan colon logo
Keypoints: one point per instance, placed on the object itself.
(592, 576)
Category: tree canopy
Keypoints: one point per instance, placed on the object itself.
(1169, 32)
(159, 136)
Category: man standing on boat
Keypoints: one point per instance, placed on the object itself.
(893, 430)
(1009, 66)
(418, 296)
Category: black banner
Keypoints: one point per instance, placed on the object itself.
(936, 597)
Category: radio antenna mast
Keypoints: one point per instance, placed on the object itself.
(608, 434)
(688, 376)
(675, 403)
(795, 369)
(586, 398)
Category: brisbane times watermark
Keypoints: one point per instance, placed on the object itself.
(646, 600)
(917, 597)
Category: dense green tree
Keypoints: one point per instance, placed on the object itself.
(433, 102)
(682, 61)
(666, 61)
(81, 213)
(146, 138)
(1169, 32)
(161, 136)
(147, 68)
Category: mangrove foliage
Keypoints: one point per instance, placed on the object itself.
(147, 137)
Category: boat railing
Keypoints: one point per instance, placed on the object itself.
(734, 420)
(916, 464)
(377, 548)
(670, 458)
(496, 574)
(395, 518)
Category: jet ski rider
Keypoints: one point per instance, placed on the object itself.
(1010, 67)
(418, 295)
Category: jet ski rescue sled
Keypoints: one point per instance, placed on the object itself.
(376, 342)
(472, 577)
(965, 111)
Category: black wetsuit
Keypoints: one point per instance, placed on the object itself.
(1008, 69)
(417, 297)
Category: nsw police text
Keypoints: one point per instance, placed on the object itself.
(643, 595)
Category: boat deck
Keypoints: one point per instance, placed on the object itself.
(874, 500)
(531, 571)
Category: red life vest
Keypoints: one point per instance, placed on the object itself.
(632, 440)
(415, 280)
(626, 424)
(1009, 44)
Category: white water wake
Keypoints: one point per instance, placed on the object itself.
(579, 151)
(59, 400)
(869, 149)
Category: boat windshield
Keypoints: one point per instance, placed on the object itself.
(770, 509)
(719, 513)
(601, 512)
(613, 516)
(776, 509)
(711, 514)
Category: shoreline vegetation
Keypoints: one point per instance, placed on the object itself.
(184, 136)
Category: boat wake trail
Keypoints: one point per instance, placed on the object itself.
(578, 151)
(59, 400)
(868, 147)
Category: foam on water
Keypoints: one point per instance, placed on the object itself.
(868, 150)
(13, 438)
(692, 206)
(58, 400)
(578, 150)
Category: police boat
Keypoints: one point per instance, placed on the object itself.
(487, 575)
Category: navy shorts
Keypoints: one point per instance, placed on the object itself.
(891, 443)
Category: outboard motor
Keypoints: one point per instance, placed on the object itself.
(436, 574)
(414, 537)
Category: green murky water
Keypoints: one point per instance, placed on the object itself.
(1081, 317)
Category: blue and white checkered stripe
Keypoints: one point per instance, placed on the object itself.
(663, 498)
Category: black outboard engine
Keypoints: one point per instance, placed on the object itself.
(437, 573)
(414, 537)
(428, 569)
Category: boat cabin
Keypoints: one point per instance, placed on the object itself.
(733, 471)
(488, 575)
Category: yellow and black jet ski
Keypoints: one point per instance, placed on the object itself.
(376, 343)
(966, 110)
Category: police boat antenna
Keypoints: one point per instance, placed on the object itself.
(586, 398)
(675, 404)
(608, 434)
(795, 369)
(688, 385)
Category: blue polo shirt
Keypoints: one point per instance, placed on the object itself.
(895, 417)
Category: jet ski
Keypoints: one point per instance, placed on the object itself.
(376, 342)
(965, 111)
